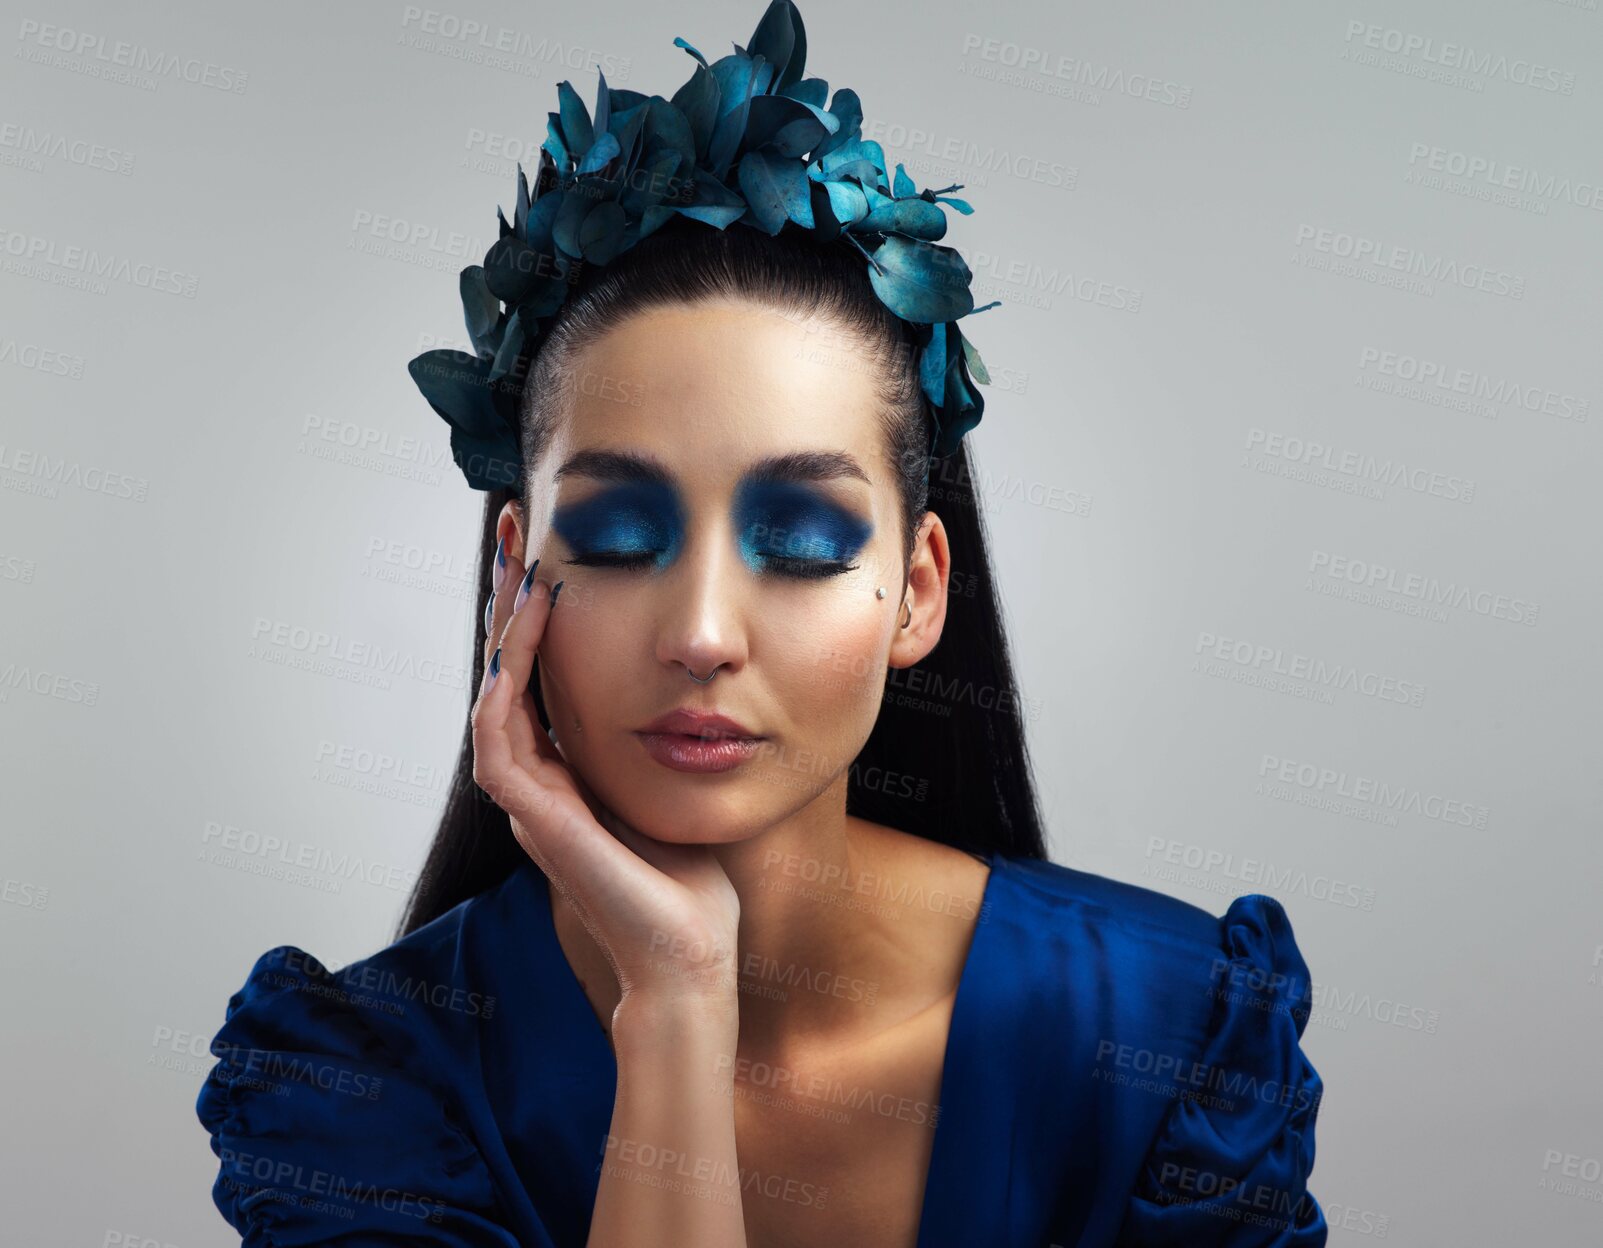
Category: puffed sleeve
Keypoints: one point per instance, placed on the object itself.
(1230, 1163)
(323, 1135)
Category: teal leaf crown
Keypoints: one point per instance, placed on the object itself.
(747, 140)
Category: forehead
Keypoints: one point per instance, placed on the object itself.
(718, 383)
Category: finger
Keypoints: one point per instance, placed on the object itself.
(508, 574)
(505, 721)
(529, 609)
(516, 582)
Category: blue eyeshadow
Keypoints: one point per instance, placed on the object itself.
(635, 518)
(787, 520)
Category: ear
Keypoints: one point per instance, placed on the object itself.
(929, 573)
(510, 527)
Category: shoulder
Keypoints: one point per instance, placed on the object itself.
(339, 1072)
(413, 993)
(1164, 930)
(1197, 1022)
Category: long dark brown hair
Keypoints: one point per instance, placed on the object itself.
(947, 758)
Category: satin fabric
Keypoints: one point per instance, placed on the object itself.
(1122, 1069)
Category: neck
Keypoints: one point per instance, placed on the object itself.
(845, 925)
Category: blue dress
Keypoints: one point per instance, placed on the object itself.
(1122, 1068)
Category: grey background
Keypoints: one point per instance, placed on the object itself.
(1170, 319)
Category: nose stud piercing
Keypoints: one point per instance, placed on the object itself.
(880, 592)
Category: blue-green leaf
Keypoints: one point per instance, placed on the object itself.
(512, 342)
(775, 188)
(915, 217)
(781, 40)
(848, 109)
(480, 308)
(812, 91)
(971, 353)
(921, 281)
(678, 42)
(577, 133)
(601, 151)
(697, 102)
(846, 201)
(603, 233)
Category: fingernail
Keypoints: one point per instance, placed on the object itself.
(523, 589)
(555, 590)
(489, 613)
(495, 670)
(500, 565)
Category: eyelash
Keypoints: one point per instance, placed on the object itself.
(799, 569)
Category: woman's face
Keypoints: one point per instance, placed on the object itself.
(719, 497)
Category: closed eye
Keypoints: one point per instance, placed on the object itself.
(797, 531)
(628, 526)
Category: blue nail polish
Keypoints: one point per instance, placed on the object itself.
(500, 563)
(555, 590)
(495, 669)
(489, 613)
(528, 584)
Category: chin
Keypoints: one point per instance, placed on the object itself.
(689, 809)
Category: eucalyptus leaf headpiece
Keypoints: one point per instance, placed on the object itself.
(746, 141)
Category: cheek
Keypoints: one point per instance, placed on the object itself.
(830, 662)
(585, 634)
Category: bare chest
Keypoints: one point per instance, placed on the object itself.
(836, 1151)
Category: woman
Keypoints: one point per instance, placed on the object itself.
(723, 940)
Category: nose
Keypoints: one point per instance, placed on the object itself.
(702, 625)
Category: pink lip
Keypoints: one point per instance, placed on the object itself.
(706, 725)
(698, 741)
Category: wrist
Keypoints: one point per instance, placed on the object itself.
(649, 1020)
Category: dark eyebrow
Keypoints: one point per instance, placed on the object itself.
(808, 466)
(796, 466)
(613, 466)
